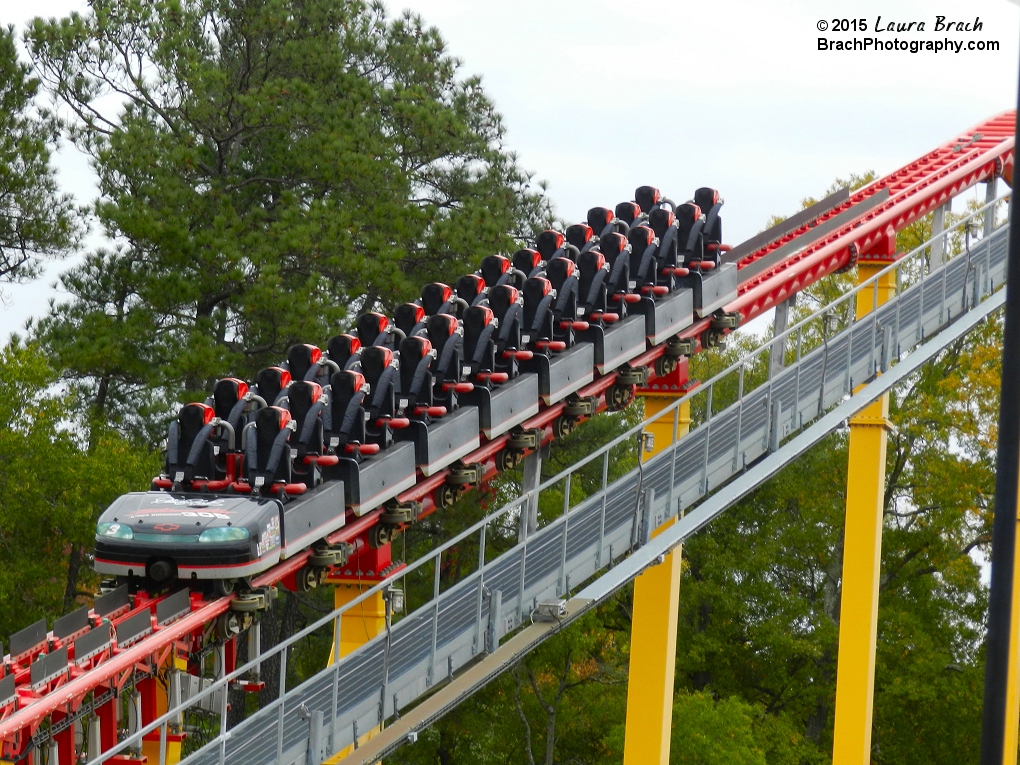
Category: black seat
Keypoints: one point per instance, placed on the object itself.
(381, 375)
(409, 318)
(647, 198)
(271, 385)
(344, 350)
(471, 289)
(690, 239)
(616, 250)
(537, 316)
(446, 366)
(374, 329)
(505, 304)
(663, 222)
(415, 376)
(550, 245)
(581, 236)
(528, 262)
(649, 274)
(306, 407)
(437, 297)
(591, 287)
(480, 336)
(190, 453)
(267, 451)
(710, 203)
(496, 270)
(630, 212)
(600, 221)
(230, 402)
(562, 274)
(344, 416)
(306, 362)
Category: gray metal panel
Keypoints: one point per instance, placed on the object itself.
(669, 315)
(564, 373)
(506, 405)
(615, 344)
(7, 691)
(173, 606)
(785, 227)
(29, 638)
(112, 601)
(712, 289)
(313, 516)
(70, 623)
(134, 627)
(48, 667)
(369, 483)
(92, 642)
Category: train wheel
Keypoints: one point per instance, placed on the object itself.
(229, 624)
(307, 578)
(446, 495)
(379, 535)
(223, 587)
(563, 426)
(619, 396)
(665, 365)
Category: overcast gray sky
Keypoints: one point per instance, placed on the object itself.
(600, 97)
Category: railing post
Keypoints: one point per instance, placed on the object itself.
(777, 355)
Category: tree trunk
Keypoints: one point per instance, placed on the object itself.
(74, 559)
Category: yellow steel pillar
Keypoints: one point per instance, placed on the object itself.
(1010, 743)
(862, 556)
(653, 630)
(174, 739)
(358, 625)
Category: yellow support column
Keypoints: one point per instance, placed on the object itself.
(1010, 743)
(653, 630)
(358, 625)
(862, 557)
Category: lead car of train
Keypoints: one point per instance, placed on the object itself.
(260, 472)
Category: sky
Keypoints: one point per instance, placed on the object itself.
(600, 97)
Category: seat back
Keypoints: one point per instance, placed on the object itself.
(528, 262)
(600, 220)
(616, 249)
(629, 212)
(303, 361)
(372, 329)
(495, 269)
(537, 315)
(690, 241)
(344, 418)
(581, 236)
(504, 302)
(306, 408)
(409, 318)
(377, 368)
(562, 274)
(267, 451)
(549, 244)
(229, 403)
(415, 375)
(643, 269)
(710, 203)
(190, 453)
(591, 283)
(343, 350)
(441, 331)
(479, 341)
(471, 289)
(271, 384)
(435, 298)
(647, 197)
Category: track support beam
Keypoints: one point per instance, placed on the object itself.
(653, 629)
(862, 555)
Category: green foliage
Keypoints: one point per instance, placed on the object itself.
(35, 220)
(57, 473)
(268, 169)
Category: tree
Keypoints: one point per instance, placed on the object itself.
(57, 474)
(267, 169)
(35, 220)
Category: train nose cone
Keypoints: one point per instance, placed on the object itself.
(160, 571)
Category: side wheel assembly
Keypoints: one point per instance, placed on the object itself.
(379, 535)
(713, 338)
(446, 495)
(397, 514)
(327, 556)
(564, 426)
(627, 375)
(576, 406)
(619, 396)
(666, 364)
(229, 624)
(465, 475)
(310, 577)
(722, 320)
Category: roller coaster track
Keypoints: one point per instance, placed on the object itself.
(827, 238)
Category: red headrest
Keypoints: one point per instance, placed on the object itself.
(242, 386)
(282, 415)
(207, 411)
(285, 377)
